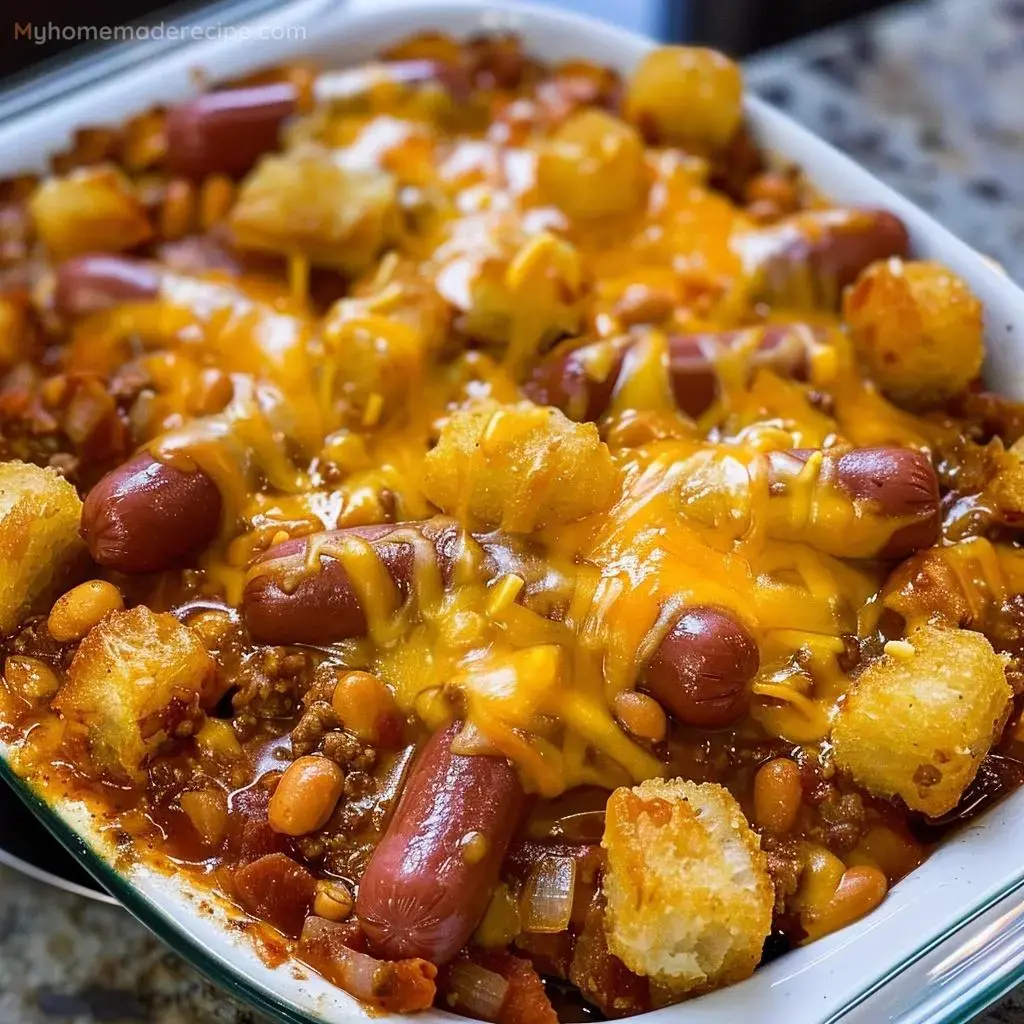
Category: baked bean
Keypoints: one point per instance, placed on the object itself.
(31, 679)
(819, 879)
(367, 708)
(421, 893)
(642, 305)
(333, 900)
(641, 715)
(860, 890)
(582, 379)
(227, 131)
(306, 796)
(777, 795)
(701, 670)
(864, 503)
(809, 258)
(148, 515)
(76, 612)
(97, 281)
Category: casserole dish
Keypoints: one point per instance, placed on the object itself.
(974, 869)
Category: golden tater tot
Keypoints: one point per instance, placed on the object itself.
(919, 720)
(917, 329)
(304, 202)
(593, 165)
(687, 96)
(520, 467)
(93, 209)
(688, 889)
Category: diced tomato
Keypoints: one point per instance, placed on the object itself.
(276, 889)
(526, 1001)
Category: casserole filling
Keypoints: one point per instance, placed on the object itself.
(496, 530)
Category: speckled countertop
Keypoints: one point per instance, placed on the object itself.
(928, 98)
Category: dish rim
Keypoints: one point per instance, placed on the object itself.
(377, 21)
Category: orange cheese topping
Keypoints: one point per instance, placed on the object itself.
(329, 422)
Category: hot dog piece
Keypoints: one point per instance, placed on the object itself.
(702, 669)
(286, 602)
(97, 281)
(147, 515)
(809, 258)
(582, 380)
(784, 349)
(864, 503)
(226, 132)
(428, 882)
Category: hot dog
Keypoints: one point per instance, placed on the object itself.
(582, 380)
(864, 503)
(701, 671)
(227, 131)
(97, 281)
(283, 602)
(428, 882)
(809, 258)
(147, 515)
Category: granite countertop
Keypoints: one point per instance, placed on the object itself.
(928, 98)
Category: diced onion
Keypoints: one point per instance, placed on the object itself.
(476, 990)
(546, 903)
(471, 742)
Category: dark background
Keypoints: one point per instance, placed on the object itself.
(737, 26)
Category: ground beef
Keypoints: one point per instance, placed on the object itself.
(841, 821)
(270, 682)
(784, 865)
(34, 640)
(317, 720)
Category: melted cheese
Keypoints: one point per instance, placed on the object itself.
(330, 421)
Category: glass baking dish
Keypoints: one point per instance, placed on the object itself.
(949, 939)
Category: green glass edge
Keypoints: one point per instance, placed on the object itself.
(139, 906)
(178, 938)
(964, 1009)
(15, 101)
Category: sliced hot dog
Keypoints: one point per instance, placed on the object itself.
(147, 515)
(288, 600)
(582, 380)
(809, 258)
(864, 503)
(428, 882)
(97, 281)
(227, 131)
(701, 671)
(285, 601)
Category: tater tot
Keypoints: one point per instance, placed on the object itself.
(135, 679)
(92, 209)
(688, 890)
(919, 720)
(593, 165)
(304, 202)
(39, 543)
(686, 95)
(917, 329)
(520, 467)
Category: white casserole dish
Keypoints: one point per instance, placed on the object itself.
(947, 940)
